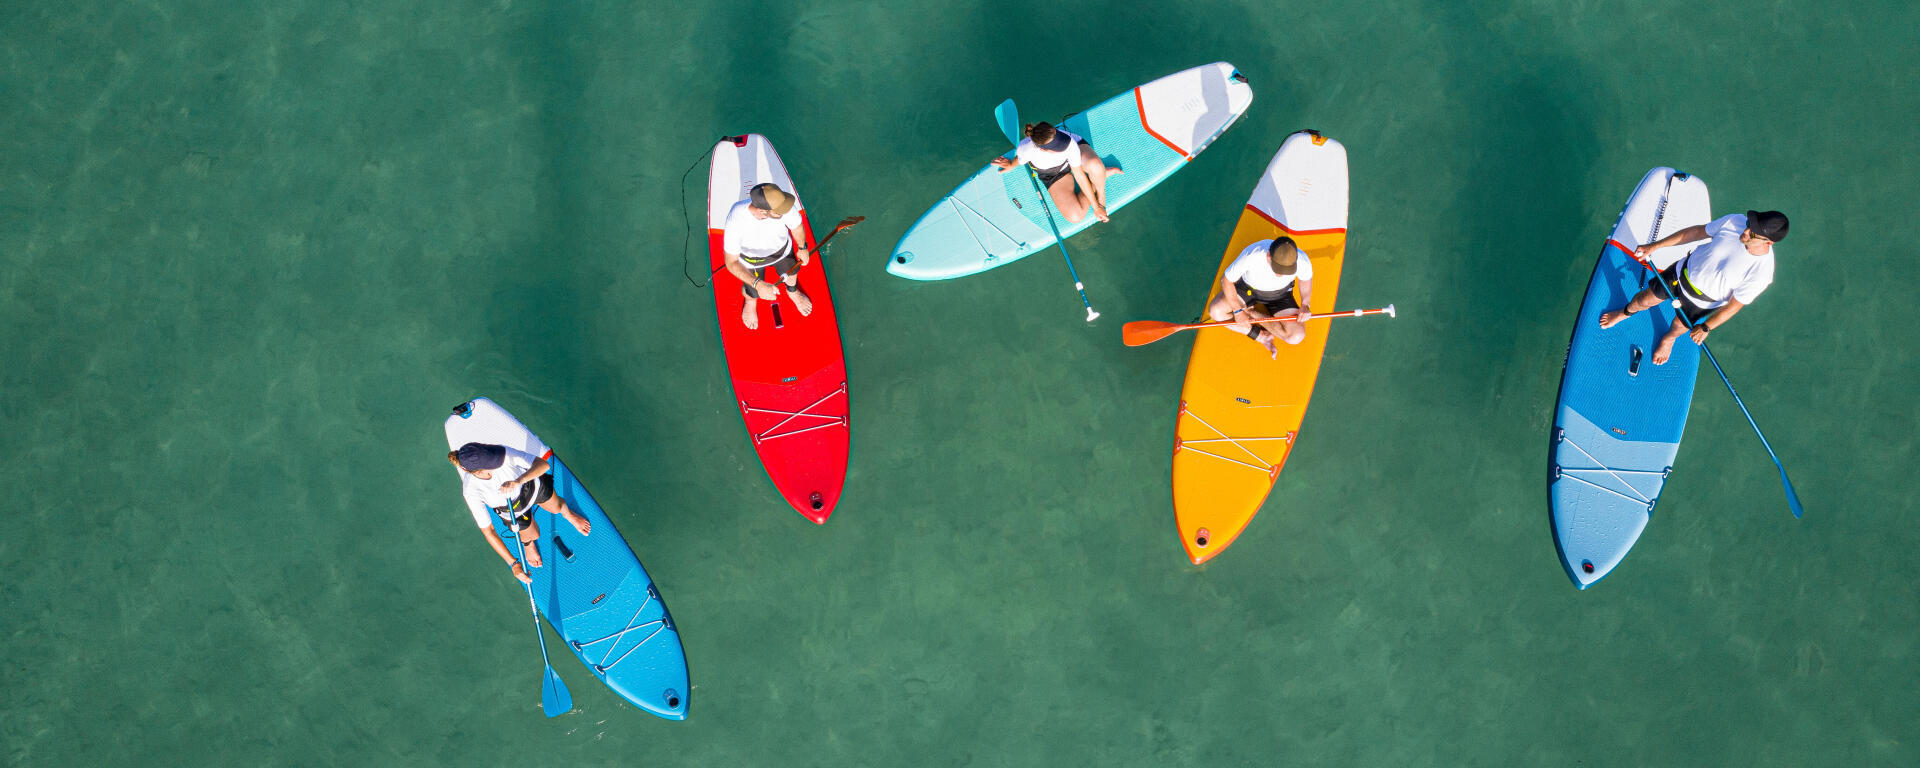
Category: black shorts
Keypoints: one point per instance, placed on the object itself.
(531, 495)
(787, 265)
(1270, 302)
(1696, 306)
(1051, 175)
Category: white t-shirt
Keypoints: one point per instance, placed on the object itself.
(1722, 268)
(1044, 160)
(1252, 266)
(756, 238)
(484, 495)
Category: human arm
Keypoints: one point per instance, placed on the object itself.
(1691, 234)
(800, 251)
(537, 468)
(1230, 292)
(1715, 320)
(1306, 300)
(1005, 163)
(761, 288)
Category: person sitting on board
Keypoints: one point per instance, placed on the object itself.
(1259, 284)
(1712, 283)
(527, 483)
(760, 237)
(1063, 160)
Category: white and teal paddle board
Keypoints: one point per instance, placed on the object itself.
(591, 588)
(1149, 132)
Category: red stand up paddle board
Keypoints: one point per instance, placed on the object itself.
(789, 376)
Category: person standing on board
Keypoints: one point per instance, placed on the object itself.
(1259, 284)
(764, 236)
(1063, 160)
(511, 482)
(1714, 282)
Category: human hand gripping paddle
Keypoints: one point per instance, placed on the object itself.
(554, 698)
(1009, 118)
(1793, 499)
(1140, 333)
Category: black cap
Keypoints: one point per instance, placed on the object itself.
(478, 456)
(1771, 225)
(1059, 143)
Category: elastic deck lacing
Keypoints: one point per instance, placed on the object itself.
(604, 665)
(774, 431)
(1269, 469)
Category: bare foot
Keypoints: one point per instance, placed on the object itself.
(1266, 340)
(1663, 350)
(750, 314)
(532, 548)
(1100, 212)
(1112, 171)
(580, 522)
(1611, 319)
(800, 300)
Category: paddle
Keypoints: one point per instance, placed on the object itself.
(1140, 333)
(1793, 499)
(554, 698)
(1009, 119)
(846, 223)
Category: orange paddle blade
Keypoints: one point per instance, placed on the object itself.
(1143, 332)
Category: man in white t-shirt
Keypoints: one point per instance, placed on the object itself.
(1259, 284)
(765, 236)
(1712, 282)
(509, 483)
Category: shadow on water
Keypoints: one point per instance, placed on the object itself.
(1516, 218)
(547, 308)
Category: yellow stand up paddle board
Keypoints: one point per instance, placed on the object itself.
(1240, 410)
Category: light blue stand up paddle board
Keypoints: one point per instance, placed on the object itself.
(592, 589)
(1149, 132)
(1618, 424)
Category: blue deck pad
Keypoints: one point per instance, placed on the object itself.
(1609, 417)
(605, 606)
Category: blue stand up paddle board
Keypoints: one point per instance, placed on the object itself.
(592, 589)
(1618, 424)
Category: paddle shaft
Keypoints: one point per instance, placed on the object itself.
(560, 701)
(1143, 332)
(845, 223)
(1009, 118)
(1314, 316)
(1793, 499)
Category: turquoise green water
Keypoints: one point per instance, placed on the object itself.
(250, 253)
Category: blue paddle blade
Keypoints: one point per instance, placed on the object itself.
(1793, 499)
(554, 698)
(1009, 118)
